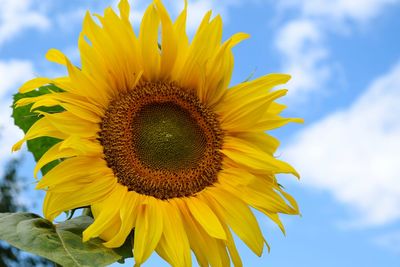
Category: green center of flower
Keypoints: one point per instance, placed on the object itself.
(166, 136)
(161, 141)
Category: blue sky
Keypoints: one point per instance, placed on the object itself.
(345, 60)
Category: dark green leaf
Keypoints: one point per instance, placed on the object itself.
(126, 249)
(61, 243)
(24, 119)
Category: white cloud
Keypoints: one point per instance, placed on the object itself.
(301, 44)
(354, 153)
(16, 16)
(340, 10)
(67, 19)
(197, 10)
(12, 74)
(301, 40)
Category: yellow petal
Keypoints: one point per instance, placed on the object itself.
(114, 227)
(124, 9)
(273, 122)
(148, 229)
(246, 112)
(250, 101)
(85, 85)
(75, 170)
(291, 200)
(174, 245)
(111, 206)
(124, 48)
(206, 218)
(34, 84)
(275, 218)
(219, 71)
(105, 52)
(261, 140)
(82, 196)
(223, 254)
(276, 108)
(44, 102)
(56, 56)
(79, 101)
(205, 247)
(197, 237)
(253, 158)
(257, 192)
(82, 113)
(83, 146)
(40, 128)
(233, 252)
(239, 217)
(54, 153)
(148, 39)
(259, 86)
(169, 44)
(94, 64)
(204, 46)
(68, 123)
(183, 43)
(29, 100)
(128, 215)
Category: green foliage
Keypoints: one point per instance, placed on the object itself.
(9, 189)
(24, 118)
(61, 243)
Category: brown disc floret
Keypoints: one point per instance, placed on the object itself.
(161, 141)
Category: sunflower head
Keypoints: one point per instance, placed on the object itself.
(161, 141)
(153, 138)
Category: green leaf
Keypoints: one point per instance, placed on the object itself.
(24, 119)
(126, 249)
(61, 243)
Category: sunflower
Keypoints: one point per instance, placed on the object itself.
(152, 138)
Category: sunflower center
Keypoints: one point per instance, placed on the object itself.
(161, 141)
(166, 136)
